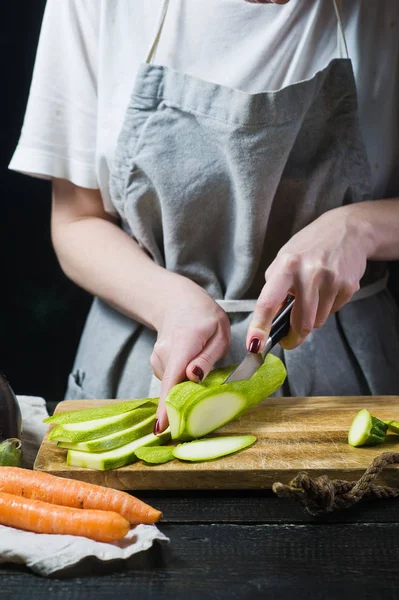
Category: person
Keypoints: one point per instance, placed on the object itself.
(208, 158)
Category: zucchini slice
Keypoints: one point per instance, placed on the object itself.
(211, 448)
(156, 455)
(392, 426)
(97, 428)
(99, 412)
(113, 440)
(194, 410)
(119, 457)
(366, 430)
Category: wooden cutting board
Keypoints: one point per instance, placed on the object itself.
(293, 434)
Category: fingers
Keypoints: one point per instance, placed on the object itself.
(175, 372)
(344, 295)
(317, 295)
(189, 355)
(215, 349)
(269, 302)
(161, 422)
(303, 315)
(324, 309)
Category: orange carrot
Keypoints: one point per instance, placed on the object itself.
(42, 517)
(76, 494)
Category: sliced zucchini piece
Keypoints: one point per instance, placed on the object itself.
(90, 430)
(366, 430)
(196, 411)
(114, 440)
(156, 455)
(99, 412)
(392, 426)
(119, 457)
(211, 448)
(177, 398)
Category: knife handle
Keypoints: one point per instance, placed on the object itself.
(280, 325)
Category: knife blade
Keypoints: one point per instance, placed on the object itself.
(279, 329)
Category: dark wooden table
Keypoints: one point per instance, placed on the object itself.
(232, 545)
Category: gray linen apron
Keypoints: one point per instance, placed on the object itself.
(212, 182)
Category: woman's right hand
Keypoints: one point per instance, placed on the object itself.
(193, 331)
(193, 334)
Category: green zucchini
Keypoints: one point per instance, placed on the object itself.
(211, 448)
(10, 453)
(118, 457)
(194, 410)
(156, 455)
(392, 426)
(97, 428)
(366, 430)
(176, 400)
(181, 393)
(100, 412)
(113, 440)
(217, 376)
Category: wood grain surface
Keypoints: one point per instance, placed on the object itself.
(294, 434)
(230, 562)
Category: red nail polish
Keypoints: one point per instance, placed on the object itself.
(254, 345)
(198, 372)
(156, 427)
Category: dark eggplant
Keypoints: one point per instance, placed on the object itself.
(10, 414)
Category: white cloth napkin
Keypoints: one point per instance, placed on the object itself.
(47, 554)
(33, 411)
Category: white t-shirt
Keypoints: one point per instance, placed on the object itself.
(90, 50)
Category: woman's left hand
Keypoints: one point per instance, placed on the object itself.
(321, 266)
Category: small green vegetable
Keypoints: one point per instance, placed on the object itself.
(392, 426)
(112, 459)
(211, 448)
(10, 453)
(366, 430)
(155, 456)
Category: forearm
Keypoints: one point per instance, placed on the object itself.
(376, 222)
(101, 258)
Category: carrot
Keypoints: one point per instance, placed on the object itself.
(76, 494)
(42, 517)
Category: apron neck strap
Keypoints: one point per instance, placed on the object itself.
(341, 40)
(161, 21)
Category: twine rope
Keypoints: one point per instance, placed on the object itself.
(323, 495)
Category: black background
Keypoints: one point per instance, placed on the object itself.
(41, 312)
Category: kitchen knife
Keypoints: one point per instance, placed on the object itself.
(279, 329)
